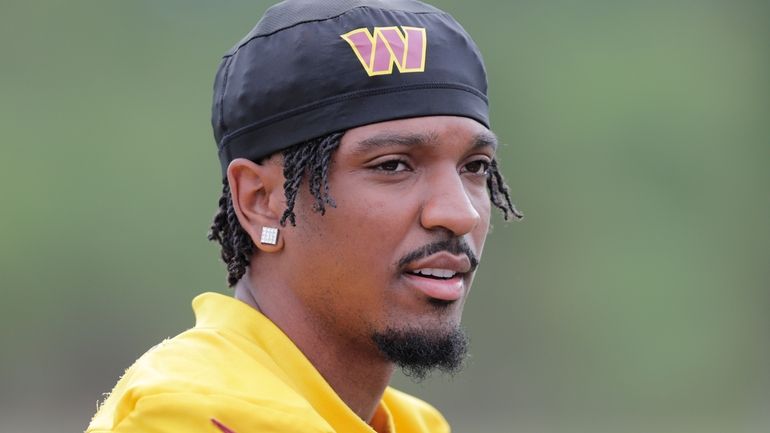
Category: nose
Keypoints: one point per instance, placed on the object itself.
(448, 206)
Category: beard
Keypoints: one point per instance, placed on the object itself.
(417, 352)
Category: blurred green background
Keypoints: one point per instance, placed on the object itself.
(633, 298)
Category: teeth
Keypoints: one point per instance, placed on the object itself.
(433, 272)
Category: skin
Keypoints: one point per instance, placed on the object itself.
(334, 279)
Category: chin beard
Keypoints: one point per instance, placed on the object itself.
(418, 351)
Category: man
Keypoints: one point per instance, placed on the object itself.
(359, 175)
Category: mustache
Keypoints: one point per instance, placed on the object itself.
(454, 246)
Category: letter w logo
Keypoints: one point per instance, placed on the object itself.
(378, 52)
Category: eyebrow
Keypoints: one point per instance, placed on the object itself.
(482, 139)
(485, 139)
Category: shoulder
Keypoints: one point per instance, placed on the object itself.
(202, 379)
(410, 410)
(213, 413)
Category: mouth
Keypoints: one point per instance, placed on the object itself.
(439, 277)
(447, 289)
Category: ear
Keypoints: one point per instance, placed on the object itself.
(258, 198)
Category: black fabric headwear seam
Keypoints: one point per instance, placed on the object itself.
(242, 44)
(339, 98)
(226, 73)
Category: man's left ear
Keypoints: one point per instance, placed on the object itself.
(258, 200)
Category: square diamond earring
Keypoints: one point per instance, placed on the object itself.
(269, 236)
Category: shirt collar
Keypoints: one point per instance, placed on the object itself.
(217, 311)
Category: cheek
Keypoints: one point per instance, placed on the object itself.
(353, 244)
(369, 229)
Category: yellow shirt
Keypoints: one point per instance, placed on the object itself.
(236, 372)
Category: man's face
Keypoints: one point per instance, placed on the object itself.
(398, 251)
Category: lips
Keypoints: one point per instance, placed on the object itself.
(439, 276)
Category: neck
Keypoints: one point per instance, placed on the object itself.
(356, 373)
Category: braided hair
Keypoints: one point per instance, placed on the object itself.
(313, 158)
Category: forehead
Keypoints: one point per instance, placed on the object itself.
(425, 131)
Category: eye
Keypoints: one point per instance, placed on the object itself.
(479, 166)
(393, 165)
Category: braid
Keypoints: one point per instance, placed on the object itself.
(237, 246)
(313, 158)
(499, 193)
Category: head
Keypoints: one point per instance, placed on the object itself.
(382, 182)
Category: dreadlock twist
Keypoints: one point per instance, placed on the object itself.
(313, 158)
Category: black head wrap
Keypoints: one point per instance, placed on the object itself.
(313, 67)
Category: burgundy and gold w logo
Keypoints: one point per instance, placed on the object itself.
(388, 46)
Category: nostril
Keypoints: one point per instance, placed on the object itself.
(457, 219)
